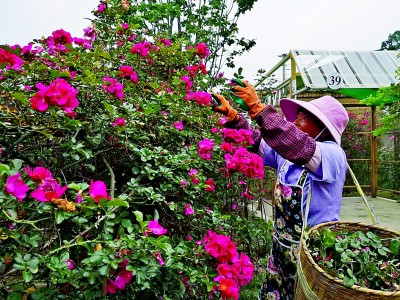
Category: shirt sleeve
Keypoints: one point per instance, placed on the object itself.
(284, 137)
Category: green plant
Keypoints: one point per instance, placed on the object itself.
(358, 258)
(113, 168)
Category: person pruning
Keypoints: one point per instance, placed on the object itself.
(303, 146)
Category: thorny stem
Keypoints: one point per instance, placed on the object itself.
(112, 179)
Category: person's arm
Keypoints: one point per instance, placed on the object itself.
(284, 137)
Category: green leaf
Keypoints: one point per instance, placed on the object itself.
(139, 216)
(103, 270)
(105, 55)
(60, 216)
(347, 281)
(4, 169)
(17, 163)
(126, 223)
(27, 276)
(117, 202)
(14, 295)
(395, 246)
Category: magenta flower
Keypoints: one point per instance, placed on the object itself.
(229, 288)
(98, 190)
(193, 172)
(188, 209)
(202, 98)
(16, 186)
(119, 122)
(123, 278)
(220, 247)
(101, 7)
(178, 126)
(205, 148)
(210, 184)
(113, 87)
(90, 32)
(156, 228)
(188, 82)
(159, 258)
(129, 73)
(59, 93)
(166, 42)
(194, 180)
(48, 190)
(202, 50)
(183, 182)
(10, 60)
(110, 287)
(241, 137)
(70, 264)
(38, 174)
(141, 48)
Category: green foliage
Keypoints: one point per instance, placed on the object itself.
(62, 248)
(393, 41)
(357, 258)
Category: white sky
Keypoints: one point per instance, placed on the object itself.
(277, 25)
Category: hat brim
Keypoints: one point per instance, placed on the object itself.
(290, 107)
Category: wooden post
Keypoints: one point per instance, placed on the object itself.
(374, 155)
(293, 87)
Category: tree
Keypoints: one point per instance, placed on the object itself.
(214, 21)
(393, 42)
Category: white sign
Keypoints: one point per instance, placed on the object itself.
(335, 81)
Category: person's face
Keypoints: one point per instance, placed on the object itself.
(307, 123)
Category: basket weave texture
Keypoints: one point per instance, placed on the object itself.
(321, 285)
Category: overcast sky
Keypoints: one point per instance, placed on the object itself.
(277, 25)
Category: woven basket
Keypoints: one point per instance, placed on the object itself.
(314, 283)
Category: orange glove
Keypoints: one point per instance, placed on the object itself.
(225, 108)
(249, 95)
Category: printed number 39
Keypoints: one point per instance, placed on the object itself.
(335, 80)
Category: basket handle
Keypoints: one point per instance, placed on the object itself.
(369, 208)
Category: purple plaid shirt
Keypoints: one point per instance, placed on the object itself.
(282, 136)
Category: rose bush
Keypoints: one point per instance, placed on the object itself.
(116, 175)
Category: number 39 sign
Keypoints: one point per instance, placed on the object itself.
(334, 81)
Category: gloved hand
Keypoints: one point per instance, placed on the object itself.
(225, 108)
(248, 95)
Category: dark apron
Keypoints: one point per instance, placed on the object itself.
(288, 225)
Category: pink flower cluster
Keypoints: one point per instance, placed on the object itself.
(10, 59)
(142, 48)
(202, 98)
(59, 93)
(241, 137)
(234, 270)
(113, 87)
(47, 187)
(129, 73)
(249, 164)
(122, 278)
(202, 50)
(205, 147)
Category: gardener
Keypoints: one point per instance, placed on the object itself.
(304, 148)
